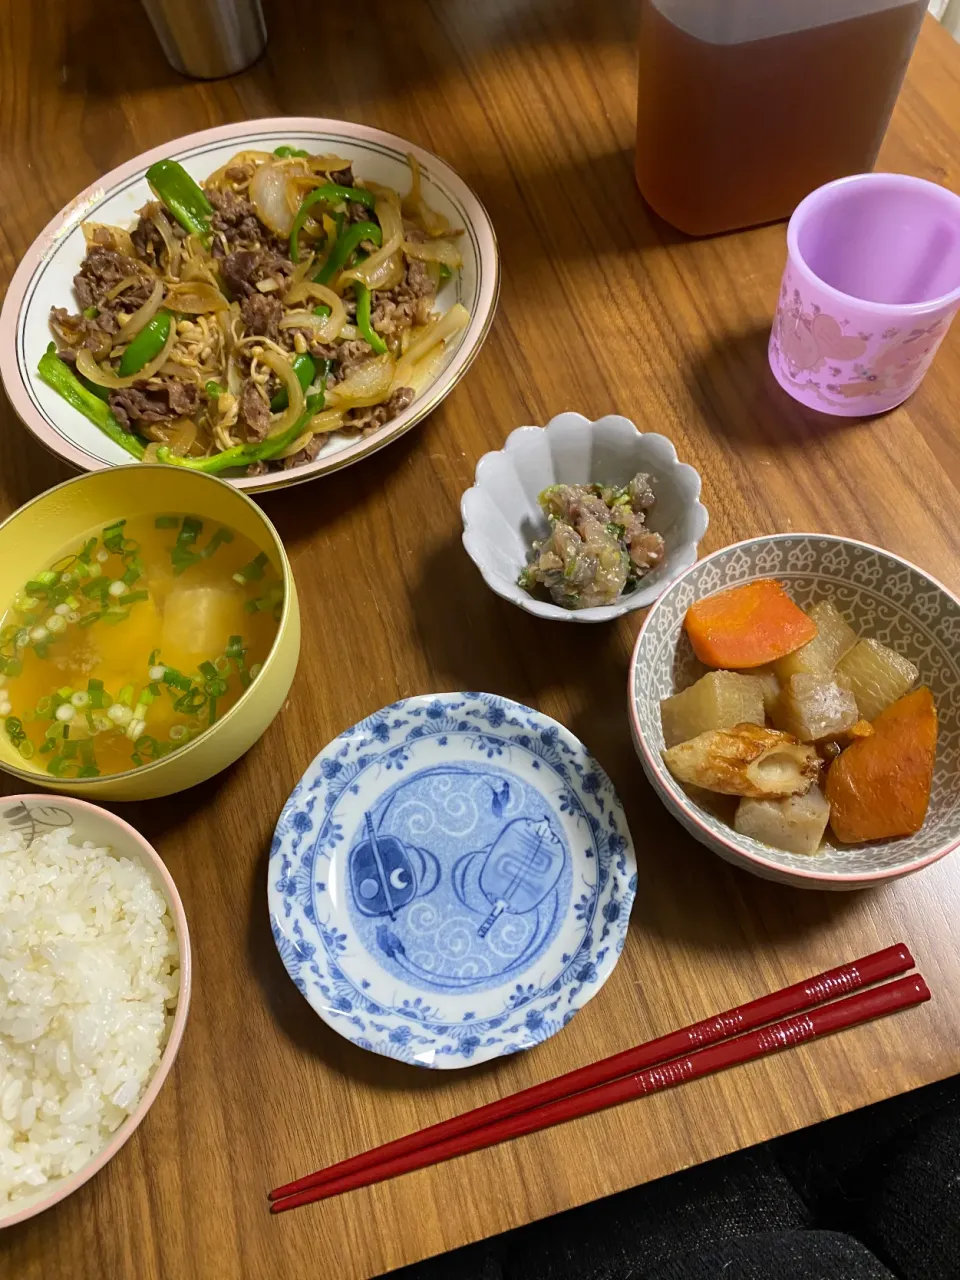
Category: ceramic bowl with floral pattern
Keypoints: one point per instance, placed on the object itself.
(882, 597)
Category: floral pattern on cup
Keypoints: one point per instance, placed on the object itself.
(827, 359)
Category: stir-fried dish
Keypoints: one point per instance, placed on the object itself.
(240, 323)
(133, 643)
(599, 545)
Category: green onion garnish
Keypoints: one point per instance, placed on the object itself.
(252, 572)
(166, 522)
(112, 537)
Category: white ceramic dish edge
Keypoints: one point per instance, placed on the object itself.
(677, 482)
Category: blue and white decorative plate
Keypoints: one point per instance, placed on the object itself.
(451, 880)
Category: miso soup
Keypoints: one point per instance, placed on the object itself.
(133, 642)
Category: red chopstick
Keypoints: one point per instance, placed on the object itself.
(794, 999)
(839, 1016)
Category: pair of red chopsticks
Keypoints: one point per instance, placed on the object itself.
(739, 1035)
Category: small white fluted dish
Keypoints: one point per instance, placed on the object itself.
(502, 519)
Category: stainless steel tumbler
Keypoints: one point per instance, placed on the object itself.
(209, 38)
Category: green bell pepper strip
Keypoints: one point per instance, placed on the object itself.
(58, 375)
(306, 370)
(284, 152)
(347, 244)
(329, 193)
(364, 323)
(172, 185)
(242, 455)
(147, 345)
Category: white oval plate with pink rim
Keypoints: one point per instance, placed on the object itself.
(44, 278)
(882, 597)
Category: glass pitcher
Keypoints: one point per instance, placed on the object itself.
(745, 106)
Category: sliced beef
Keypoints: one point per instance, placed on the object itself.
(74, 332)
(254, 411)
(261, 313)
(173, 399)
(410, 303)
(147, 240)
(102, 268)
(349, 355)
(235, 218)
(343, 177)
(371, 419)
(306, 454)
(242, 269)
(357, 212)
(239, 173)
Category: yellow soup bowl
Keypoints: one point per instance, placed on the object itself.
(34, 535)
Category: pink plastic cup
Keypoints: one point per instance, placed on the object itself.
(871, 285)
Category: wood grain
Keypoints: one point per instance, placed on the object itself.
(603, 308)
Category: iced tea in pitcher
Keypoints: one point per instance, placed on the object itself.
(745, 106)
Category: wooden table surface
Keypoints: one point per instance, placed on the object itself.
(603, 308)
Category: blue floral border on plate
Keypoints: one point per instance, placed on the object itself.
(307, 934)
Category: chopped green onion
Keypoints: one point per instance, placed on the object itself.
(167, 522)
(133, 596)
(89, 619)
(176, 679)
(252, 572)
(112, 536)
(190, 530)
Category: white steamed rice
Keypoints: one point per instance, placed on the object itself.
(89, 971)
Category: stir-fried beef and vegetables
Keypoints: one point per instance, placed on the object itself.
(242, 322)
(599, 545)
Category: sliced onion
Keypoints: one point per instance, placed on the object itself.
(368, 384)
(121, 238)
(439, 330)
(195, 297)
(132, 324)
(170, 241)
(234, 381)
(242, 157)
(283, 368)
(328, 328)
(442, 251)
(302, 270)
(321, 423)
(197, 263)
(327, 164)
(268, 192)
(383, 269)
(416, 208)
(118, 288)
(422, 374)
(90, 369)
(182, 436)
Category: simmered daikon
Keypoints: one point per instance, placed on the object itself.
(877, 675)
(795, 824)
(834, 638)
(815, 707)
(719, 700)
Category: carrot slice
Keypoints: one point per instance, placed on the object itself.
(879, 788)
(747, 626)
